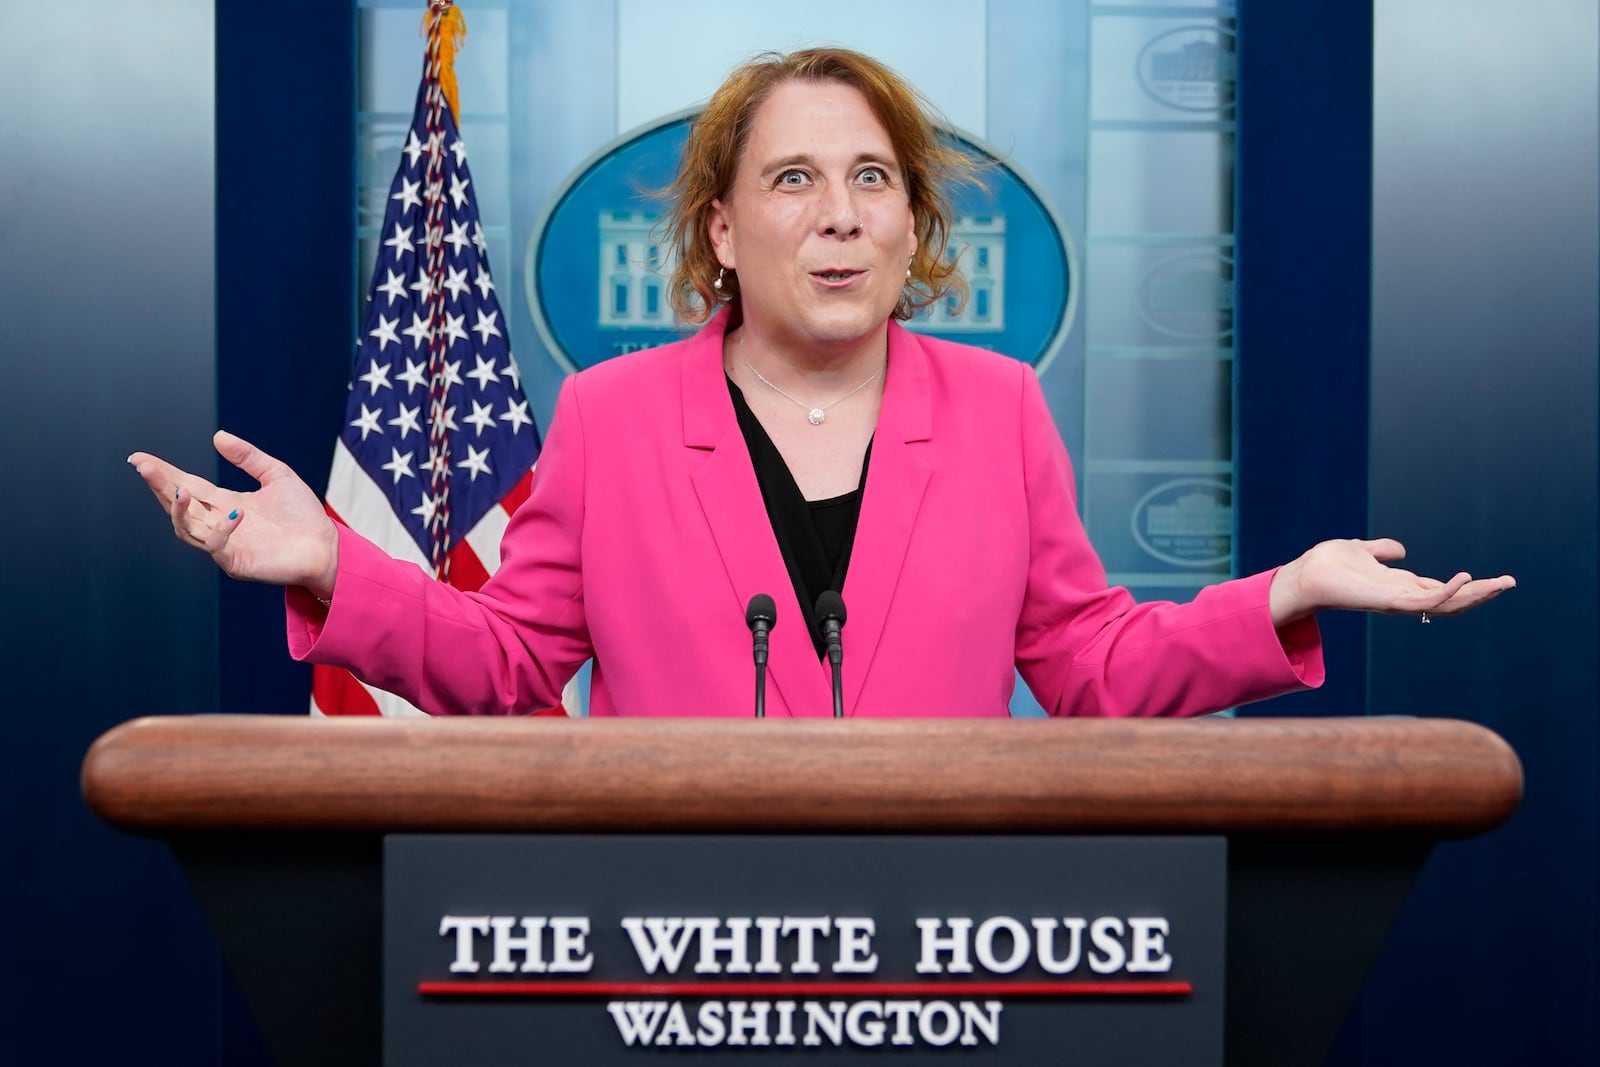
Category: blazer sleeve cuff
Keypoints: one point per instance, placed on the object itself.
(1300, 641)
(318, 632)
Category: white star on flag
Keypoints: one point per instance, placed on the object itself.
(413, 148)
(416, 374)
(452, 373)
(476, 462)
(408, 194)
(394, 287)
(406, 421)
(385, 332)
(367, 421)
(483, 373)
(399, 466)
(377, 377)
(485, 326)
(420, 333)
(425, 510)
(482, 417)
(401, 241)
(517, 415)
(453, 331)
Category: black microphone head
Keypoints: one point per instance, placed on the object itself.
(830, 605)
(761, 609)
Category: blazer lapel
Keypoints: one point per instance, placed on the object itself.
(737, 517)
(897, 478)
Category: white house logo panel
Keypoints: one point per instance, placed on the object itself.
(596, 270)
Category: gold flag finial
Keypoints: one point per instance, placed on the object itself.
(445, 27)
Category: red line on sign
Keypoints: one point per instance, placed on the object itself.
(804, 989)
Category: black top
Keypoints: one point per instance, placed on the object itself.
(815, 536)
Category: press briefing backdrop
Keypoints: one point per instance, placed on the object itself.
(123, 329)
(1101, 252)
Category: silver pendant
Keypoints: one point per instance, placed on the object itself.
(815, 416)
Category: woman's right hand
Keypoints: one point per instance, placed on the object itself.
(278, 534)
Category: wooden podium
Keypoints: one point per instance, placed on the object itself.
(279, 822)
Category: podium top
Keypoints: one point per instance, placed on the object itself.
(206, 774)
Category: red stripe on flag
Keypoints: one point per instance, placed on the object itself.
(517, 494)
(337, 692)
(467, 572)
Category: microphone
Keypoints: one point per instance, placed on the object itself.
(830, 609)
(761, 615)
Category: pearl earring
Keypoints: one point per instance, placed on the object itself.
(717, 285)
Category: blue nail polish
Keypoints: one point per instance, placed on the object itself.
(234, 514)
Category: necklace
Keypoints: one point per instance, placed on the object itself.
(813, 415)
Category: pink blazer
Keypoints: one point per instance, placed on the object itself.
(645, 536)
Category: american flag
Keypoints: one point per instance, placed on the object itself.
(438, 443)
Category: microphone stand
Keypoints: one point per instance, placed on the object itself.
(761, 615)
(830, 608)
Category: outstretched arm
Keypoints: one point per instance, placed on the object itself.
(1355, 576)
(278, 534)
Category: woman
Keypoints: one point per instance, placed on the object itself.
(801, 441)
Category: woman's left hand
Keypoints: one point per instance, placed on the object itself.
(1355, 576)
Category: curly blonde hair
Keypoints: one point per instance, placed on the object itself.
(717, 139)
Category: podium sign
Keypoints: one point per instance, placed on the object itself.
(602, 949)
